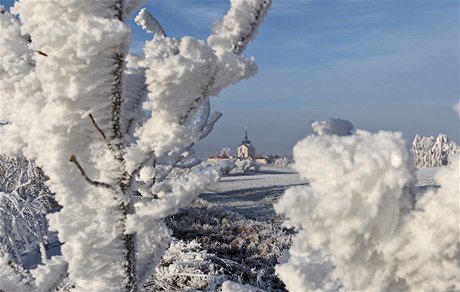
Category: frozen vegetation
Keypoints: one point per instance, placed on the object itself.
(359, 223)
(108, 128)
(103, 192)
(433, 152)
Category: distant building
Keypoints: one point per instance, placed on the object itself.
(267, 159)
(262, 159)
(217, 157)
(246, 150)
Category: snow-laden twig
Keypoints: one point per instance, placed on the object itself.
(149, 23)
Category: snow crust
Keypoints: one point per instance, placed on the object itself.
(12, 276)
(230, 286)
(357, 224)
(49, 273)
(17, 61)
(337, 127)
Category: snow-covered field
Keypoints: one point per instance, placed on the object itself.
(252, 195)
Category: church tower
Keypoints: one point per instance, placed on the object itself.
(246, 150)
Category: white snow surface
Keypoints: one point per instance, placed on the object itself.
(230, 286)
(267, 176)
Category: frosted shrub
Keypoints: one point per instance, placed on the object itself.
(226, 246)
(106, 126)
(357, 224)
(283, 162)
(244, 166)
(431, 152)
(236, 166)
(24, 202)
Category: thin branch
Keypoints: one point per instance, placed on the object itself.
(83, 173)
(107, 142)
(244, 40)
(117, 101)
(197, 102)
(149, 23)
(41, 53)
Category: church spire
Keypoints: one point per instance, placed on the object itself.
(246, 139)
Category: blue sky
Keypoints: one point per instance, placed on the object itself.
(389, 65)
(383, 65)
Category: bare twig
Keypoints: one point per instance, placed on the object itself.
(41, 53)
(107, 142)
(83, 173)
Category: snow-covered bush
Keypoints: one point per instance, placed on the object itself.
(24, 203)
(216, 244)
(283, 162)
(241, 166)
(236, 166)
(99, 121)
(431, 152)
(358, 227)
(337, 127)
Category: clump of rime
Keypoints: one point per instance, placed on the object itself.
(359, 228)
(337, 127)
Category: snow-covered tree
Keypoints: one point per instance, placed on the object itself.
(431, 152)
(358, 225)
(226, 151)
(100, 122)
(337, 127)
(282, 162)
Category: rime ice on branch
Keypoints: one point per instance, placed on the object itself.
(106, 126)
(358, 227)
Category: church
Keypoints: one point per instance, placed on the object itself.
(246, 150)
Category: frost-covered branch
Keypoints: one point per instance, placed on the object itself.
(74, 160)
(239, 26)
(149, 23)
(147, 110)
(132, 5)
(107, 142)
(359, 226)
